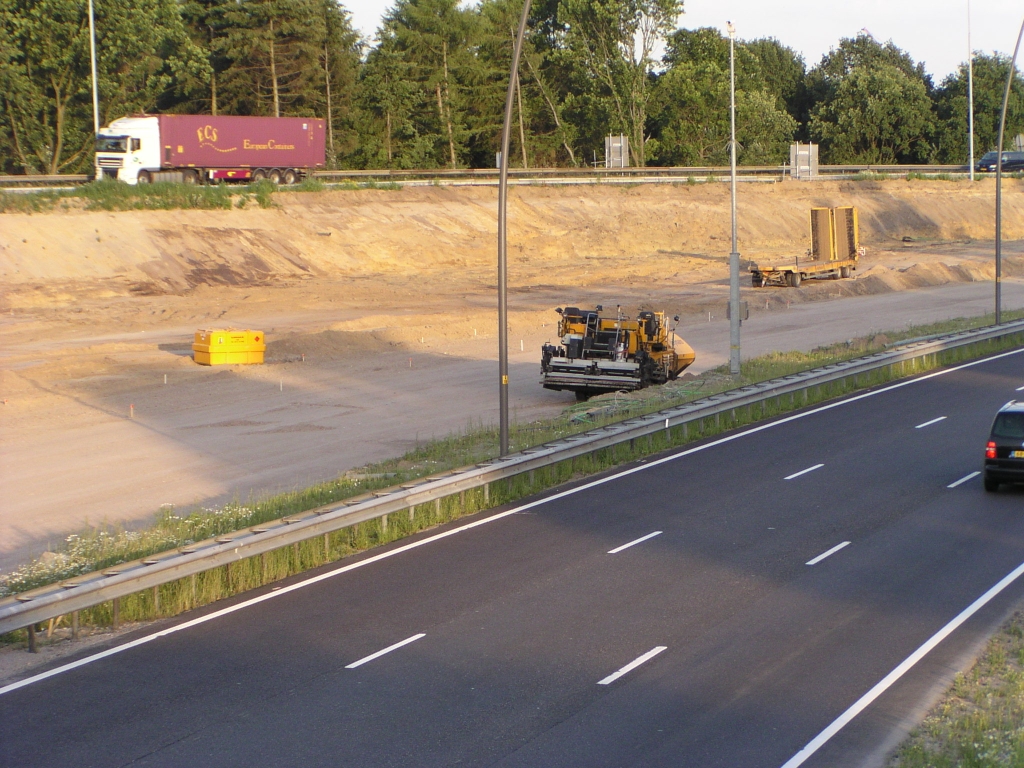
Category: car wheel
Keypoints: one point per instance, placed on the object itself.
(991, 485)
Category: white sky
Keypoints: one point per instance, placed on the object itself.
(932, 31)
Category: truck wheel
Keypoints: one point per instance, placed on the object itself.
(794, 279)
(144, 177)
(259, 174)
(289, 176)
(190, 177)
(845, 272)
(274, 175)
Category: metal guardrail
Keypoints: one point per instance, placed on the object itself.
(548, 174)
(92, 589)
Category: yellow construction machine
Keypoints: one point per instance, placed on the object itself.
(610, 354)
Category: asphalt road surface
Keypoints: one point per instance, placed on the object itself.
(700, 609)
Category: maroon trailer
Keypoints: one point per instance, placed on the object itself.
(195, 148)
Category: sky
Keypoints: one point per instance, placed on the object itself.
(932, 31)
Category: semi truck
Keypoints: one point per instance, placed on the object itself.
(203, 148)
(835, 249)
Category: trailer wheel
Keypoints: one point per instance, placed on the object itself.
(755, 279)
(844, 271)
(794, 279)
(274, 175)
(259, 174)
(289, 176)
(190, 177)
(144, 178)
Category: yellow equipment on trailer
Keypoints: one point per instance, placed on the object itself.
(835, 249)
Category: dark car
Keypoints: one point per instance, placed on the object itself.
(1004, 453)
(1012, 161)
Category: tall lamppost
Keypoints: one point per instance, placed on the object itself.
(970, 93)
(503, 239)
(95, 87)
(999, 181)
(734, 256)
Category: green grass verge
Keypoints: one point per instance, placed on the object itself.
(107, 195)
(979, 723)
(100, 549)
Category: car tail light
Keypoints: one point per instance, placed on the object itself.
(990, 450)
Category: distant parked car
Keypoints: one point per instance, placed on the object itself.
(1004, 452)
(1012, 161)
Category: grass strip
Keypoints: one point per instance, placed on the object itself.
(109, 195)
(979, 723)
(84, 553)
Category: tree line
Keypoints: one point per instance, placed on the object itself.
(429, 91)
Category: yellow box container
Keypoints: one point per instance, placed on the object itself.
(228, 347)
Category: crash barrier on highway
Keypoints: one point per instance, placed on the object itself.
(551, 175)
(110, 584)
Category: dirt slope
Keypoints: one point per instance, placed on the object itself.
(379, 310)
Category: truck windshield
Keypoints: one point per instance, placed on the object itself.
(111, 143)
(1009, 425)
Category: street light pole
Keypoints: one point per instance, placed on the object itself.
(734, 256)
(999, 181)
(503, 239)
(970, 93)
(95, 87)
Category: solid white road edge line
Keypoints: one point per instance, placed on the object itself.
(633, 665)
(637, 541)
(823, 555)
(862, 703)
(277, 592)
(804, 471)
(381, 652)
(964, 479)
(1020, 389)
(929, 423)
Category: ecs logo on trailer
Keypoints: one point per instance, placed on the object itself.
(208, 137)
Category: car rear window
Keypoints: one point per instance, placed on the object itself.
(1009, 425)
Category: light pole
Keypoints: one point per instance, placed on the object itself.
(734, 256)
(95, 87)
(970, 93)
(999, 181)
(503, 240)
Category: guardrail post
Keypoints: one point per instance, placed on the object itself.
(32, 639)
(383, 525)
(327, 541)
(156, 599)
(117, 612)
(192, 586)
(74, 624)
(295, 552)
(437, 509)
(487, 494)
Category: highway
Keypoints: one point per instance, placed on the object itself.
(721, 605)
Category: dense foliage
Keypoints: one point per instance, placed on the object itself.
(428, 92)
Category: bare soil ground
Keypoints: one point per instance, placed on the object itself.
(379, 310)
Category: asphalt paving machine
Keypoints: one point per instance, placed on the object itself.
(611, 354)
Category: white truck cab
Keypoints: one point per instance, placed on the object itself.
(129, 149)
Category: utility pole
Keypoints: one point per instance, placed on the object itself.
(95, 86)
(503, 239)
(970, 93)
(999, 181)
(734, 256)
